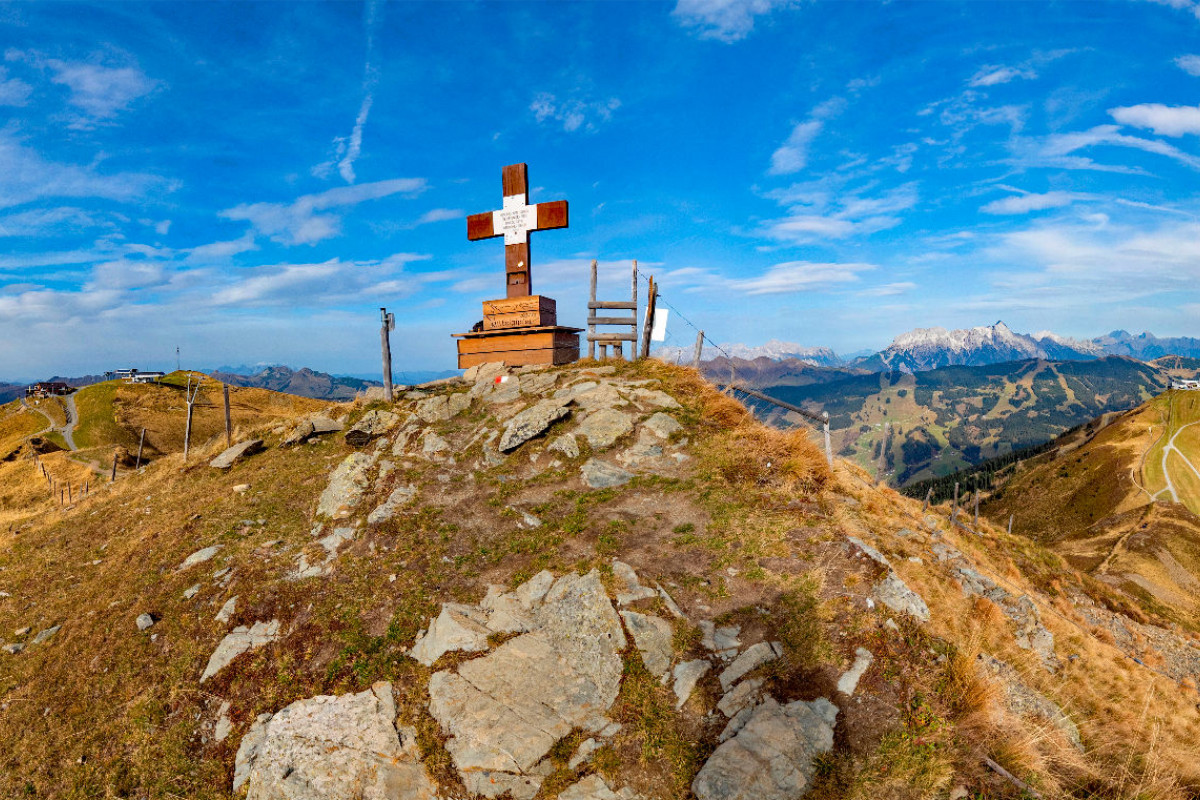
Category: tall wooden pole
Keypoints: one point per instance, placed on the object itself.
(113, 476)
(187, 433)
(633, 351)
(976, 508)
(928, 496)
(228, 423)
(388, 321)
(825, 429)
(591, 313)
(141, 441)
(699, 349)
(1010, 522)
(648, 324)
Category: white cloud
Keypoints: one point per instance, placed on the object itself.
(1163, 120)
(819, 210)
(99, 91)
(792, 155)
(221, 251)
(1189, 64)
(573, 113)
(1056, 150)
(1024, 203)
(300, 223)
(25, 177)
(13, 91)
(888, 289)
(126, 274)
(993, 75)
(440, 215)
(333, 281)
(799, 276)
(723, 20)
(40, 221)
(1190, 6)
(162, 227)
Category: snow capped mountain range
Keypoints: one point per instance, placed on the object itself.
(924, 349)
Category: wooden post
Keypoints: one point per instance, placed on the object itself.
(648, 324)
(699, 349)
(956, 496)
(825, 428)
(928, 497)
(142, 440)
(187, 437)
(592, 312)
(633, 350)
(976, 508)
(389, 322)
(228, 426)
(70, 496)
(1010, 522)
(113, 477)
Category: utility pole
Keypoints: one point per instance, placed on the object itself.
(389, 324)
(177, 362)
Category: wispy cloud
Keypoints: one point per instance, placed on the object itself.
(26, 176)
(792, 155)
(440, 215)
(724, 20)
(993, 75)
(1163, 120)
(800, 276)
(1029, 201)
(13, 91)
(42, 221)
(347, 149)
(300, 222)
(573, 113)
(1057, 150)
(888, 289)
(822, 210)
(1189, 64)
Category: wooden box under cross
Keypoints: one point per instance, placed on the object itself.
(520, 346)
(519, 312)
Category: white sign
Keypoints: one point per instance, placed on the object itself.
(515, 220)
(658, 332)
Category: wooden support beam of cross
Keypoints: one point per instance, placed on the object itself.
(515, 221)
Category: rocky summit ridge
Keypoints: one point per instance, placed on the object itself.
(585, 582)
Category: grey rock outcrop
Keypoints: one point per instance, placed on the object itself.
(754, 657)
(662, 425)
(504, 711)
(399, 497)
(894, 593)
(458, 627)
(199, 557)
(309, 428)
(374, 423)
(240, 450)
(46, 635)
(601, 475)
(652, 635)
(593, 787)
(332, 747)
(604, 426)
(238, 641)
(144, 622)
(771, 757)
(533, 421)
(346, 486)
(687, 675)
(850, 678)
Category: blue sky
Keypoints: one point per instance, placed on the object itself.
(250, 182)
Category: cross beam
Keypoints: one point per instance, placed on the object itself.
(515, 221)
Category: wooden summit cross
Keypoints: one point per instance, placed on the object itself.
(515, 221)
(522, 328)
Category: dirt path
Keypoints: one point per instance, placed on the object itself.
(72, 417)
(1171, 447)
(66, 430)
